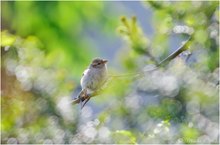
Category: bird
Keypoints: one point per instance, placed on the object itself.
(93, 78)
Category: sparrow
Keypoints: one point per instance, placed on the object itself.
(93, 79)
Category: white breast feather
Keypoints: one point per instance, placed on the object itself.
(89, 78)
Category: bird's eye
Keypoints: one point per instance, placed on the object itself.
(99, 63)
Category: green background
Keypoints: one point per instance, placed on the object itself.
(45, 46)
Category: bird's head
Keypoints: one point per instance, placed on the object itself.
(98, 63)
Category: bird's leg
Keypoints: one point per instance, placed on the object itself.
(83, 97)
(87, 99)
(81, 103)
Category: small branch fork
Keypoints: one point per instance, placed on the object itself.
(173, 55)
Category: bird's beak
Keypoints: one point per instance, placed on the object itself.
(104, 61)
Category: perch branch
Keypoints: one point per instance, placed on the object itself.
(86, 96)
(182, 48)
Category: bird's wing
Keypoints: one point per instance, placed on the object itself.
(85, 72)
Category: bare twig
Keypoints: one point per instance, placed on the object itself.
(173, 55)
(152, 58)
(182, 48)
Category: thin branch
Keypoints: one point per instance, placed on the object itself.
(152, 58)
(182, 48)
(173, 55)
(135, 75)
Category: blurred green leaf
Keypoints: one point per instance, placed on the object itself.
(189, 135)
(124, 137)
(7, 39)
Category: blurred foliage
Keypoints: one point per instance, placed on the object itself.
(122, 136)
(43, 55)
(58, 25)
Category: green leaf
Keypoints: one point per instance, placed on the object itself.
(7, 39)
(124, 136)
(189, 135)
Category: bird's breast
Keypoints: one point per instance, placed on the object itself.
(93, 78)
